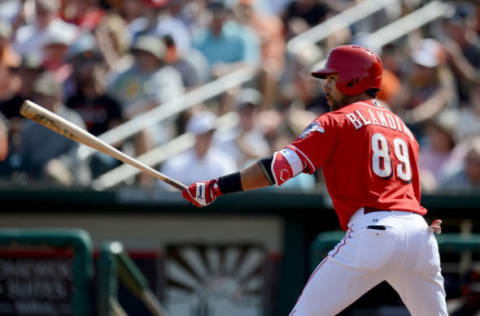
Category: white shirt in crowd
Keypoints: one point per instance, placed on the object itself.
(188, 168)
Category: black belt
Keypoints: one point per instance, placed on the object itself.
(367, 210)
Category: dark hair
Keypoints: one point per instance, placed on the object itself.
(372, 92)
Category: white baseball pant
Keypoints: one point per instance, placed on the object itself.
(405, 254)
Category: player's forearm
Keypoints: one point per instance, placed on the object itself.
(253, 177)
(249, 178)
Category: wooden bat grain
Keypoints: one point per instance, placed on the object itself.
(37, 113)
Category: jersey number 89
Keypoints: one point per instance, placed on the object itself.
(382, 163)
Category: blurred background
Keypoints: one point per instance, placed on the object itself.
(198, 89)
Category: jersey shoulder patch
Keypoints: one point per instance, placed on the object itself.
(312, 127)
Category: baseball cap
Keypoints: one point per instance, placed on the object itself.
(248, 96)
(60, 35)
(429, 53)
(202, 122)
(150, 44)
(47, 85)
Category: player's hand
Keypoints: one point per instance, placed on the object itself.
(202, 194)
(436, 227)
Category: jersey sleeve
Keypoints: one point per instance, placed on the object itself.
(317, 142)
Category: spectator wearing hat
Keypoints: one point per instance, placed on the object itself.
(226, 45)
(43, 154)
(32, 37)
(55, 51)
(204, 160)
(148, 83)
(430, 85)
(246, 141)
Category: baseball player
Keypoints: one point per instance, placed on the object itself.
(369, 160)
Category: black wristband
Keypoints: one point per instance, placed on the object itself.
(266, 166)
(230, 183)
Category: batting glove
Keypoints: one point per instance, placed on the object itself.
(436, 227)
(202, 194)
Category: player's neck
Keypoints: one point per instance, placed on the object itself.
(352, 99)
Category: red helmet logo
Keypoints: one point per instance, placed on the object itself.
(358, 69)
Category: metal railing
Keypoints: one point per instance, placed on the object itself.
(337, 23)
(157, 155)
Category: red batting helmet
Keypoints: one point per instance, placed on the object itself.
(358, 69)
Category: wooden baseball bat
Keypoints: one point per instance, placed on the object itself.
(39, 114)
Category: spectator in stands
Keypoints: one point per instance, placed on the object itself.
(192, 65)
(204, 160)
(86, 14)
(226, 45)
(468, 177)
(471, 294)
(28, 71)
(301, 15)
(129, 10)
(246, 141)
(430, 87)
(469, 115)
(98, 109)
(113, 40)
(148, 82)
(157, 20)
(31, 37)
(437, 149)
(270, 31)
(462, 46)
(44, 154)
(55, 50)
(9, 80)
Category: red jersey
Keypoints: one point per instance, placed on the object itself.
(368, 157)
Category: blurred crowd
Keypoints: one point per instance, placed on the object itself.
(101, 63)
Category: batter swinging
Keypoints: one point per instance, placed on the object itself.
(369, 160)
